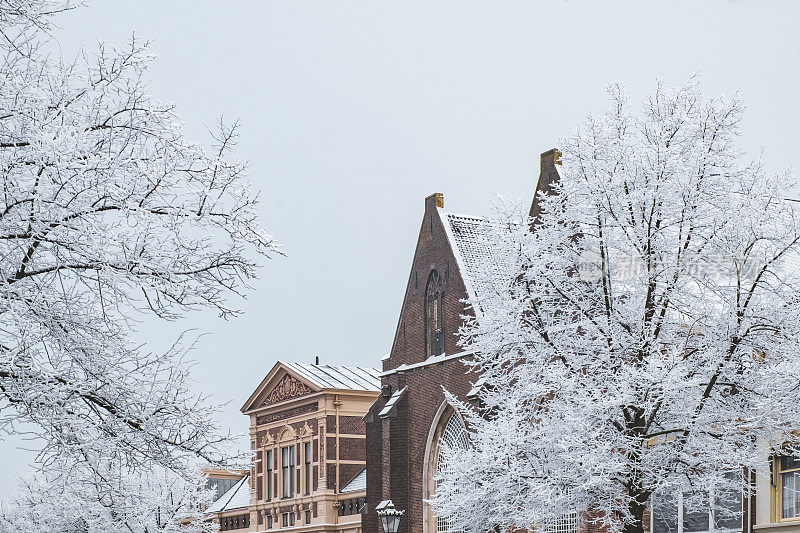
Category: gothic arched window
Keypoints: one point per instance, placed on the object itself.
(434, 334)
(455, 437)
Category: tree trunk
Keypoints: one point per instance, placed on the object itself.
(637, 507)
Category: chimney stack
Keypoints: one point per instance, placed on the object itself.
(434, 200)
(548, 175)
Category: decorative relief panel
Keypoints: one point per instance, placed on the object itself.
(287, 388)
(286, 413)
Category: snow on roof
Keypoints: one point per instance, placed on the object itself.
(358, 483)
(472, 239)
(339, 377)
(387, 409)
(237, 497)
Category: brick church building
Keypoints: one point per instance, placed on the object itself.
(411, 415)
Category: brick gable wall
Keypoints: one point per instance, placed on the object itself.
(396, 445)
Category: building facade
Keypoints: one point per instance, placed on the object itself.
(308, 440)
(411, 416)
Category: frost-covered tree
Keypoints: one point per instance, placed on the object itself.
(642, 337)
(72, 501)
(108, 216)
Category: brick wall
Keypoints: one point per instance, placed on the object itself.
(351, 425)
(352, 449)
(369, 520)
(395, 460)
(433, 252)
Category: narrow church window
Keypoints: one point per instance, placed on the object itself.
(434, 335)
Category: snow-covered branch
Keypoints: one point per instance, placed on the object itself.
(71, 499)
(108, 215)
(646, 342)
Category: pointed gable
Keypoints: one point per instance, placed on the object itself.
(287, 381)
(281, 384)
(436, 280)
(287, 388)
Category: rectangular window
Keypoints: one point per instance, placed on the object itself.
(729, 507)
(566, 523)
(269, 521)
(665, 514)
(699, 511)
(287, 519)
(269, 474)
(308, 517)
(287, 471)
(696, 517)
(220, 486)
(307, 451)
(789, 485)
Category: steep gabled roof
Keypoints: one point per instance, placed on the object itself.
(471, 240)
(237, 497)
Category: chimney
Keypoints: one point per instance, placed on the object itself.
(316, 360)
(434, 200)
(548, 175)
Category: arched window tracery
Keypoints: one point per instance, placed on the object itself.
(454, 436)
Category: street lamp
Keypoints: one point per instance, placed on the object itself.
(390, 517)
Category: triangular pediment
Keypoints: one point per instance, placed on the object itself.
(280, 385)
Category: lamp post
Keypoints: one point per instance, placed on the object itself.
(390, 517)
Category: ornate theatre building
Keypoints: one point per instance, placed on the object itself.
(308, 439)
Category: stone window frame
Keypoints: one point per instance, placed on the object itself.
(777, 475)
(288, 437)
(308, 461)
(269, 468)
(288, 469)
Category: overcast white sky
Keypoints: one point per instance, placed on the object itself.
(353, 112)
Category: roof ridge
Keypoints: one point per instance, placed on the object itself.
(460, 215)
(331, 366)
(339, 376)
(325, 376)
